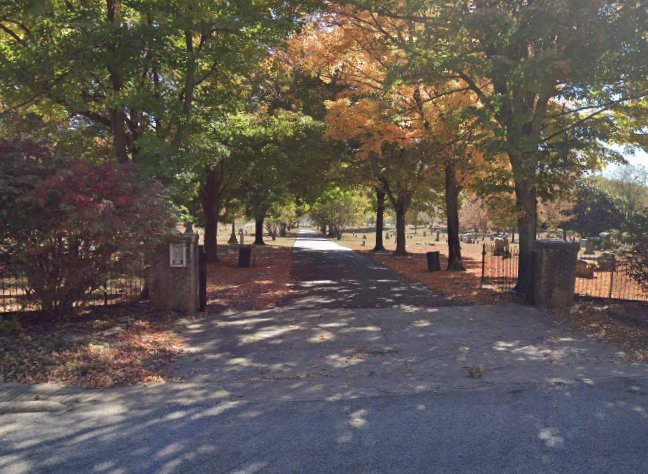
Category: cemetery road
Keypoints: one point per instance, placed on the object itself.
(328, 275)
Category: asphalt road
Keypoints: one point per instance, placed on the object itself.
(601, 428)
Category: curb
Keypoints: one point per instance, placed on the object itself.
(30, 407)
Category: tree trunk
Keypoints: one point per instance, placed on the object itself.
(258, 232)
(525, 197)
(117, 116)
(211, 208)
(283, 230)
(452, 211)
(401, 209)
(189, 89)
(323, 230)
(380, 220)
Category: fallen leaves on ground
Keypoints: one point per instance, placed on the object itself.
(98, 348)
(106, 347)
(607, 322)
(261, 286)
(463, 287)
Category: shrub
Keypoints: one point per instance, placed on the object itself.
(68, 226)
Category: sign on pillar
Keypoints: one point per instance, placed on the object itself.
(174, 275)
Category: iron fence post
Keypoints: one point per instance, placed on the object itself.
(481, 284)
(202, 277)
(612, 277)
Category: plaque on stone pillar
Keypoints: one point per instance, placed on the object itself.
(177, 255)
(174, 276)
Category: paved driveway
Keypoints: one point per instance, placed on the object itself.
(328, 275)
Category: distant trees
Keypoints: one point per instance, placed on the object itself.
(628, 184)
(338, 209)
(282, 215)
(593, 212)
(615, 202)
(474, 215)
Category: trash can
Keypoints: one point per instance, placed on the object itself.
(245, 256)
(433, 262)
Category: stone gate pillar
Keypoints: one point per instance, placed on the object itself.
(554, 273)
(174, 275)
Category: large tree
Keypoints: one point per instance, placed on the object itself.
(401, 136)
(147, 73)
(544, 71)
(153, 81)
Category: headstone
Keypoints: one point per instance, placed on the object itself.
(589, 247)
(584, 269)
(507, 248)
(499, 248)
(554, 273)
(606, 262)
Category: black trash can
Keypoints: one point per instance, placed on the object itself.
(245, 256)
(433, 262)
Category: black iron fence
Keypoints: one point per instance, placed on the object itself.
(602, 277)
(499, 267)
(607, 278)
(16, 297)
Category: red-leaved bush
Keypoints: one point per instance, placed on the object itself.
(68, 226)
